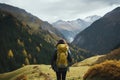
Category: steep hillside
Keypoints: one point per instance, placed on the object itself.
(113, 55)
(19, 46)
(25, 39)
(103, 35)
(79, 71)
(34, 22)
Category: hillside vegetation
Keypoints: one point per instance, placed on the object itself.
(42, 72)
(88, 69)
(23, 43)
(105, 67)
(19, 46)
(113, 55)
(108, 70)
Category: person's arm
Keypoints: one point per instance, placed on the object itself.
(54, 57)
(69, 57)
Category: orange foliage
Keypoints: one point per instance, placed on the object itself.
(108, 70)
(115, 54)
(22, 77)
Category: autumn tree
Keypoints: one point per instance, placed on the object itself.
(29, 56)
(30, 40)
(34, 61)
(27, 61)
(10, 54)
(38, 48)
(24, 53)
(11, 61)
(20, 42)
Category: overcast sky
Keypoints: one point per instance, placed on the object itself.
(53, 10)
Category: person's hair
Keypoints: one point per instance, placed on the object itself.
(61, 41)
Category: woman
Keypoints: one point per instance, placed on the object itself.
(61, 71)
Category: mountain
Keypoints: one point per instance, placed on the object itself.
(92, 18)
(25, 39)
(103, 35)
(34, 22)
(113, 55)
(19, 46)
(71, 28)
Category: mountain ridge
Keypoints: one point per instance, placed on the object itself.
(19, 46)
(23, 43)
(71, 28)
(101, 36)
(34, 22)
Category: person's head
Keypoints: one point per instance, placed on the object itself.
(61, 41)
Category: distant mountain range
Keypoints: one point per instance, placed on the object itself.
(92, 18)
(71, 28)
(103, 35)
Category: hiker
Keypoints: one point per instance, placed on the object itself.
(61, 59)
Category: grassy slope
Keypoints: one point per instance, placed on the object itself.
(44, 72)
(89, 61)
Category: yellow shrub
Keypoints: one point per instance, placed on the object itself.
(108, 70)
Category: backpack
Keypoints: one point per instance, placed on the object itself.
(62, 54)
